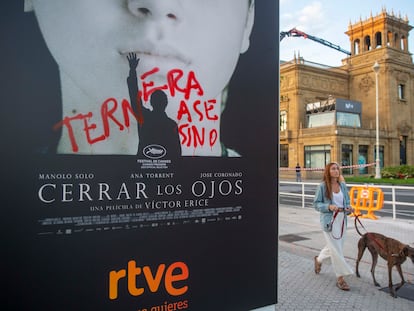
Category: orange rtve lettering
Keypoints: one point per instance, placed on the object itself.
(177, 271)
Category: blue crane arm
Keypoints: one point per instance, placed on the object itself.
(297, 33)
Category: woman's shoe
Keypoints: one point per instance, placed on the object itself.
(341, 284)
(318, 265)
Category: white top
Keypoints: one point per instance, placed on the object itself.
(338, 199)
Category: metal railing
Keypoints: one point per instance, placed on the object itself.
(393, 202)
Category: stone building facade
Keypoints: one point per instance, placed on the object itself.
(329, 114)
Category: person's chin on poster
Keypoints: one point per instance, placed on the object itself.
(188, 49)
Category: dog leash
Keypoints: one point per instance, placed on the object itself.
(343, 221)
(342, 227)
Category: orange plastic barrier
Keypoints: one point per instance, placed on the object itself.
(366, 198)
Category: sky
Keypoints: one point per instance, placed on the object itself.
(328, 20)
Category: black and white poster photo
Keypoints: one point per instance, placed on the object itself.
(112, 56)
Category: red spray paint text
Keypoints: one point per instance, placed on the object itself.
(190, 134)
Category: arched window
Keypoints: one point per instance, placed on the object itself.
(389, 39)
(378, 40)
(357, 47)
(367, 42)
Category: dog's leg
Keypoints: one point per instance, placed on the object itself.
(390, 264)
(361, 249)
(401, 275)
(374, 255)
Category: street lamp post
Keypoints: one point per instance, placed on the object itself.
(376, 68)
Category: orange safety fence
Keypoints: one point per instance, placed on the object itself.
(366, 198)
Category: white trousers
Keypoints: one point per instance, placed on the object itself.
(334, 248)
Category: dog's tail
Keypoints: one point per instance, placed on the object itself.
(356, 226)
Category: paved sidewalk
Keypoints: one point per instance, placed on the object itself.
(299, 288)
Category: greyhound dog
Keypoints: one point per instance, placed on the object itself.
(393, 251)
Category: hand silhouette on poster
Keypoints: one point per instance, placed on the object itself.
(186, 49)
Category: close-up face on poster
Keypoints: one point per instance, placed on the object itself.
(140, 154)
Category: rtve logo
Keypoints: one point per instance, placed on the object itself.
(138, 277)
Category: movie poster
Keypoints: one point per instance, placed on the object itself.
(140, 143)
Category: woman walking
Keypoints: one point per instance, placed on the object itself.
(333, 203)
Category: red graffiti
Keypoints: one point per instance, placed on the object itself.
(191, 135)
(174, 77)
